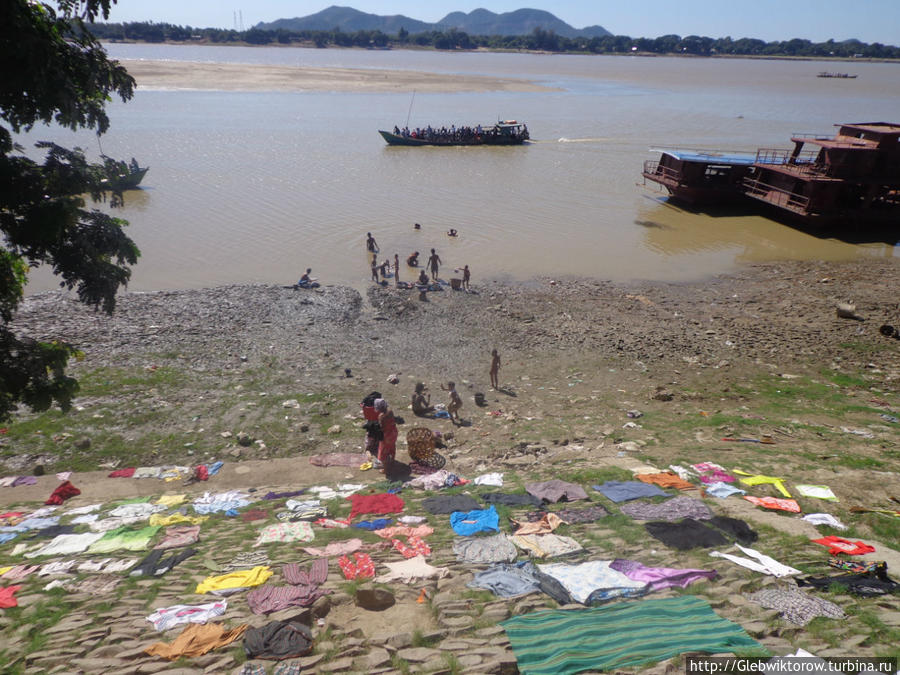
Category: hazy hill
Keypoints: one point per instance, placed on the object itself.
(519, 22)
(476, 22)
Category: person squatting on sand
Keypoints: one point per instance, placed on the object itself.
(421, 402)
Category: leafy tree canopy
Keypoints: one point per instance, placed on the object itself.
(54, 71)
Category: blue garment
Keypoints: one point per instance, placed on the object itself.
(619, 491)
(472, 522)
(213, 468)
(7, 536)
(722, 490)
(377, 524)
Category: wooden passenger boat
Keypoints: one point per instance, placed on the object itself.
(509, 132)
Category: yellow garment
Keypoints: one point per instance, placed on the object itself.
(239, 579)
(157, 519)
(171, 500)
(764, 480)
(4, 570)
(196, 640)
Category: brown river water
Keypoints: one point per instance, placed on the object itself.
(255, 187)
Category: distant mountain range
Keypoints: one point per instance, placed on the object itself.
(476, 22)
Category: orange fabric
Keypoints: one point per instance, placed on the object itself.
(195, 640)
(666, 479)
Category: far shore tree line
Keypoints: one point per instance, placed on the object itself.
(537, 40)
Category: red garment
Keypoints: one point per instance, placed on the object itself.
(377, 504)
(201, 473)
(838, 545)
(122, 473)
(8, 596)
(414, 546)
(361, 567)
(387, 447)
(62, 493)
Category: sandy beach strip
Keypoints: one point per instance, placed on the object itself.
(247, 77)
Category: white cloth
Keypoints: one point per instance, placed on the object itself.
(343, 490)
(60, 583)
(763, 563)
(120, 565)
(682, 472)
(42, 512)
(295, 505)
(495, 479)
(408, 570)
(142, 510)
(147, 472)
(431, 481)
(81, 510)
(824, 519)
(92, 565)
(61, 567)
(108, 524)
(87, 518)
(166, 617)
(411, 520)
(66, 544)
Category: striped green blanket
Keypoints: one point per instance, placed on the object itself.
(559, 642)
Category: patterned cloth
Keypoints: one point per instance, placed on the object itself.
(588, 514)
(165, 618)
(180, 535)
(480, 550)
(404, 531)
(414, 546)
(546, 545)
(285, 532)
(247, 560)
(361, 567)
(671, 509)
(594, 581)
(795, 605)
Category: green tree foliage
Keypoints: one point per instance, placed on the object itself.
(538, 40)
(54, 71)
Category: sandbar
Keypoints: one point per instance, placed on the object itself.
(190, 75)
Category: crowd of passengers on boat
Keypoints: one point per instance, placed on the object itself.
(456, 134)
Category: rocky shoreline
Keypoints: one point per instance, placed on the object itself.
(722, 357)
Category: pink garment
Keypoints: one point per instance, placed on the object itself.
(660, 577)
(718, 476)
(404, 531)
(335, 548)
(789, 505)
(361, 567)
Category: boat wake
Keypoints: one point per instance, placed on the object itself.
(582, 140)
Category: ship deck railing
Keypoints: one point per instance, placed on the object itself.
(782, 156)
(814, 137)
(659, 172)
(772, 194)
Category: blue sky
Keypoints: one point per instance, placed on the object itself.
(816, 20)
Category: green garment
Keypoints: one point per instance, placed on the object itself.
(124, 538)
(621, 635)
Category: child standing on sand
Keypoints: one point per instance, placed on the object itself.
(455, 402)
(495, 369)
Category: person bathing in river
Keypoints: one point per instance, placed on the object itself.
(434, 262)
(466, 276)
(371, 244)
(413, 260)
(396, 269)
(452, 232)
(423, 278)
